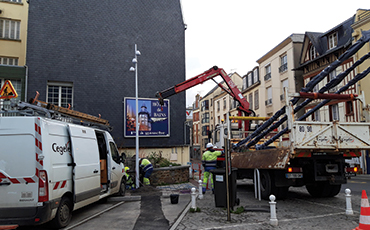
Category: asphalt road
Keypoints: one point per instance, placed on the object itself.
(299, 209)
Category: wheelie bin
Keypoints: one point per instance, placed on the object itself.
(220, 189)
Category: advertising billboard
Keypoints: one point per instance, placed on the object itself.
(153, 119)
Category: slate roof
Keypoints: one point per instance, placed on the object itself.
(320, 40)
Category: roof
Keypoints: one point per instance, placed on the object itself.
(291, 38)
(320, 40)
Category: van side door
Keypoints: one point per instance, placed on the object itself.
(85, 155)
(116, 167)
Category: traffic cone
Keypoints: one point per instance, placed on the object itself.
(365, 213)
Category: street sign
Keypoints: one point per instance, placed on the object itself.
(8, 91)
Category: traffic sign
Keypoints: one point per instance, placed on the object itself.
(8, 91)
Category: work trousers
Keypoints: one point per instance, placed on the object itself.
(206, 176)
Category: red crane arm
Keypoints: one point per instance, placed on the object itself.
(207, 75)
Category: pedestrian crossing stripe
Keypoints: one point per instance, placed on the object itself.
(8, 91)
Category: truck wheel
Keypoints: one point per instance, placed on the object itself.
(268, 187)
(335, 189)
(266, 184)
(282, 192)
(316, 190)
(323, 189)
(122, 188)
(64, 214)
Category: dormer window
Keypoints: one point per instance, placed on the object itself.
(313, 53)
(333, 40)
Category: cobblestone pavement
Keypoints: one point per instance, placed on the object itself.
(299, 211)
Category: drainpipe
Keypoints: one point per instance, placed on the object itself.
(26, 83)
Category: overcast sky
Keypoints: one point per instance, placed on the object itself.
(233, 34)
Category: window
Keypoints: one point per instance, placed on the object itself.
(18, 1)
(284, 84)
(224, 100)
(250, 79)
(205, 105)
(205, 118)
(316, 88)
(313, 53)
(250, 101)
(349, 108)
(9, 29)
(218, 105)
(331, 76)
(316, 115)
(268, 72)
(8, 61)
(334, 112)
(283, 63)
(332, 40)
(205, 129)
(245, 82)
(60, 94)
(256, 102)
(233, 103)
(255, 75)
(269, 96)
(114, 152)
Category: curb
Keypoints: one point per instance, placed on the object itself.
(179, 219)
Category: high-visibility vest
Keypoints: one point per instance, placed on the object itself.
(209, 158)
(146, 165)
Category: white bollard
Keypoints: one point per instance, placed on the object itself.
(200, 189)
(273, 219)
(349, 210)
(193, 198)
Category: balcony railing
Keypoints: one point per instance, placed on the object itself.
(283, 68)
(267, 76)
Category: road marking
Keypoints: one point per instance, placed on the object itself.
(325, 205)
(93, 216)
(263, 223)
(357, 182)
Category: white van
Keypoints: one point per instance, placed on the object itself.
(48, 168)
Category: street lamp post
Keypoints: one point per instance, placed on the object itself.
(134, 69)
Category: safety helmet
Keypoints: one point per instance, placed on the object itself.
(126, 169)
(209, 145)
(215, 146)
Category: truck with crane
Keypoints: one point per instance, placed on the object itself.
(315, 153)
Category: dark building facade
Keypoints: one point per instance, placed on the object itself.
(83, 50)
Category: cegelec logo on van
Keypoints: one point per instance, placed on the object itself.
(61, 149)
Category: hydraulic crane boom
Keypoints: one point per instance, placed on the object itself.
(201, 78)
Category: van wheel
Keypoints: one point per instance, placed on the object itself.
(122, 188)
(64, 214)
